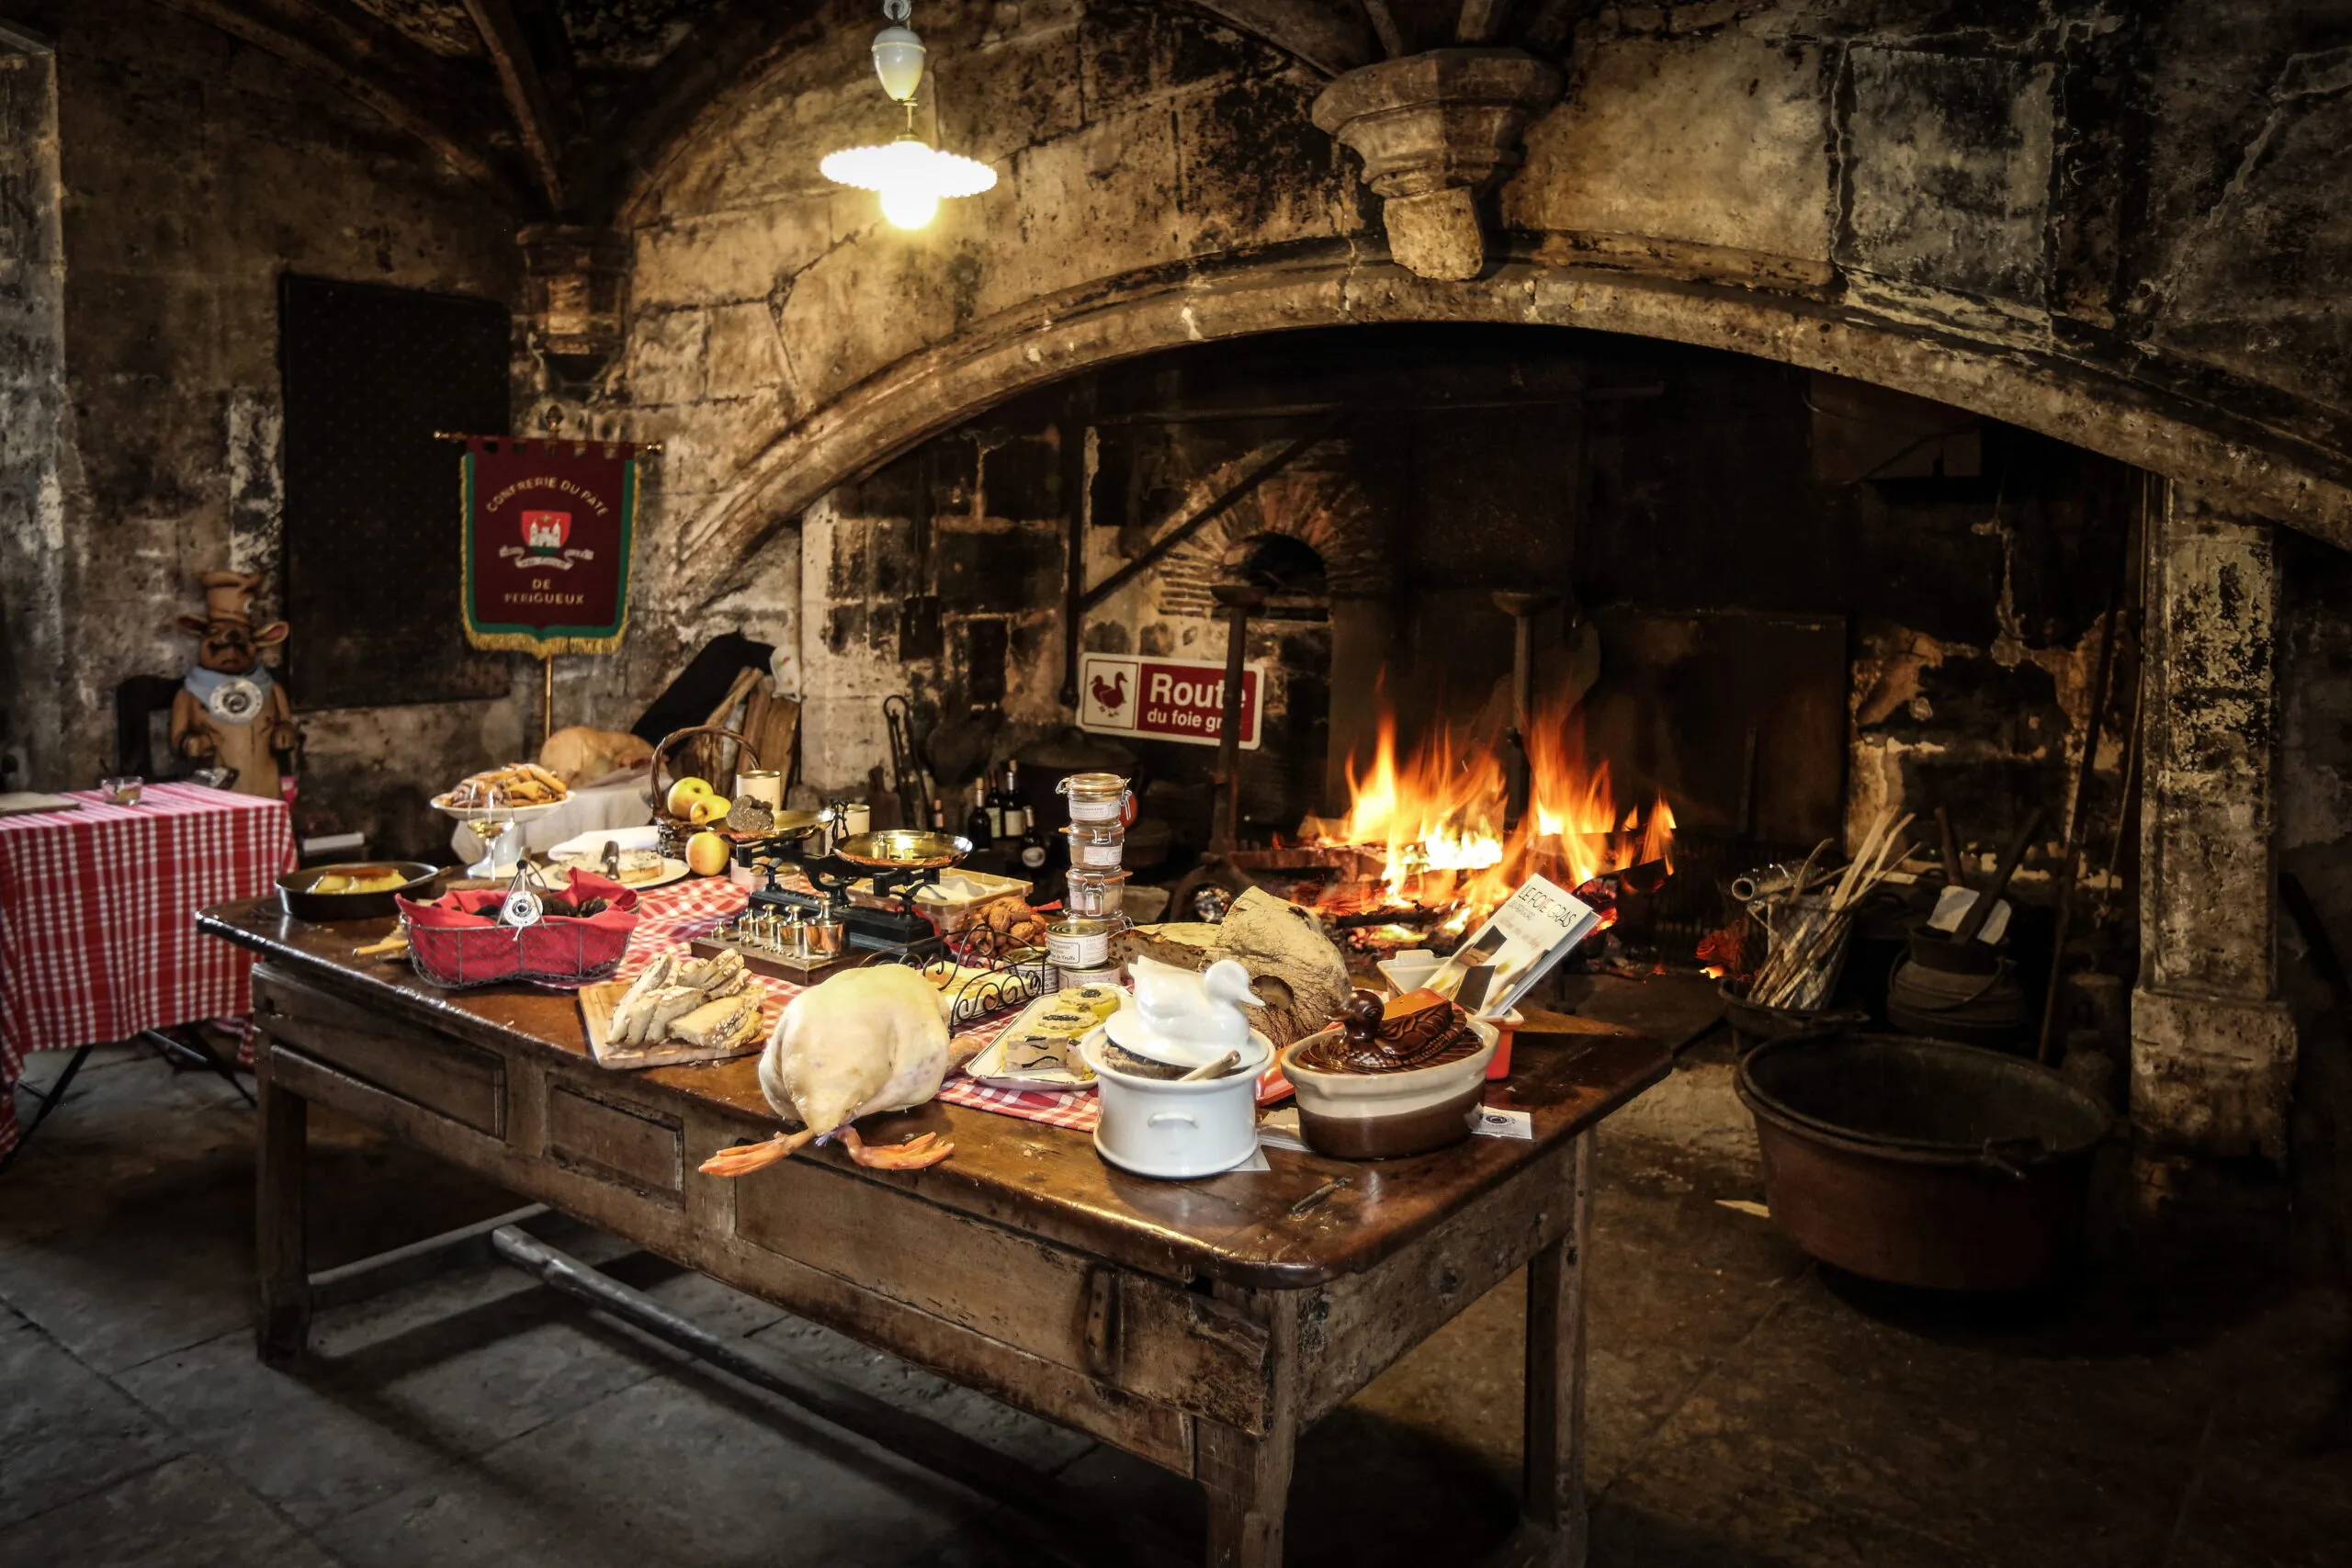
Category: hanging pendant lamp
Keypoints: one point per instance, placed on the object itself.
(910, 173)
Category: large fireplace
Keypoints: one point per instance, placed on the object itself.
(1637, 617)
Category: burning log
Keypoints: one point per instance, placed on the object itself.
(1436, 828)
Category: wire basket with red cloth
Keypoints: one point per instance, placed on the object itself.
(457, 942)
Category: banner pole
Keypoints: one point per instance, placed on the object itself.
(547, 699)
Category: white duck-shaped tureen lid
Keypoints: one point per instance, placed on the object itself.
(1184, 1019)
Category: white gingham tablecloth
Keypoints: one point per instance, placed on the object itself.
(97, 918)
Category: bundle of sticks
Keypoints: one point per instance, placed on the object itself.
(1809, 930)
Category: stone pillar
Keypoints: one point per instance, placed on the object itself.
(2213, 1045)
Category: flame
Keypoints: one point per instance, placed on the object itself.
(1437, 818)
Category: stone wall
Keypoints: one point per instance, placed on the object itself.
(2104, 225)
(195, 170)
(32, 407)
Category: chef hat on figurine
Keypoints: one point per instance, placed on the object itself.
(228, 596)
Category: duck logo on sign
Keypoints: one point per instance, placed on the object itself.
(1164, 699)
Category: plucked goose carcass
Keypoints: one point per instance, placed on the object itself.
(861, 1043)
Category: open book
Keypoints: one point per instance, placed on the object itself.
(1536, 927)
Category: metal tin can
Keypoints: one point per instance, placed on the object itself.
(1111, 974)
(1079, 944)
(1097, 847)
(1099, 893)
(1095, 797)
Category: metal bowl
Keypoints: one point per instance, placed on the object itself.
(903, 849)
(294, 891)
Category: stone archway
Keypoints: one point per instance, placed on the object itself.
(2230, 459)
(2215, 1048)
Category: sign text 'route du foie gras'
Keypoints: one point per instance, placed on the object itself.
(1164, 699)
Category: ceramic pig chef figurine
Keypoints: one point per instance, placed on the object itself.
(229, 713)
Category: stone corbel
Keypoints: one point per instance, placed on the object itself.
(1437, 132)
(575, 281)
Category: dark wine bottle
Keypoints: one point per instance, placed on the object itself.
(978, 827)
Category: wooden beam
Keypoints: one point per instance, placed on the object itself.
(351, 56)
(1481, 21)
(1330, 38)
(1384, 27)
(549, 125)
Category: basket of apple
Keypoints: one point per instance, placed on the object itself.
(687, 806)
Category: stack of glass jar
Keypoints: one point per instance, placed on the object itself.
(1079, 943)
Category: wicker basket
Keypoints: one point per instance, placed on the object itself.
(675, 831)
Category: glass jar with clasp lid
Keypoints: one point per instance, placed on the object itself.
(1097, 799)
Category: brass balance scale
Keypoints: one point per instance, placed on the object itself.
(804, 932)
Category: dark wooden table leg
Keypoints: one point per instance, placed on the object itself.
(1553, 1500)
(1247, 1478)
(283, 1326)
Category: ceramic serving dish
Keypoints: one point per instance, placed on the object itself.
(1386, 1116)
(1173, 1130)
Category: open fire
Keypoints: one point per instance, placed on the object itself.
(1436, 821)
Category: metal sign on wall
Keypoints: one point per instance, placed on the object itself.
(547, 530)
(1164, 699)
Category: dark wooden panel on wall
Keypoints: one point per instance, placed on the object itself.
(372, 576)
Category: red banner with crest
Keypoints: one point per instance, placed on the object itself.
(547, 530)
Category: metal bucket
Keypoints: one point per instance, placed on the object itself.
(1920, 1162)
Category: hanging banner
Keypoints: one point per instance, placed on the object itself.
(547, 529)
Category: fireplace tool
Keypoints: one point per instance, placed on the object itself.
(1523, 609)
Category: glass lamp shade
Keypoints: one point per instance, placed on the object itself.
(911, 174)
(909, 208)
(898, 60)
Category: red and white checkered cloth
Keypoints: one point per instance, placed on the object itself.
(669, 918)
(97, 918)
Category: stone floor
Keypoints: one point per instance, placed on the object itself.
(1746, 1407)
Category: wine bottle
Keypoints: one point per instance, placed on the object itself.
(976, 826)
(1016, 805)
(994, 797)
(1032, 847)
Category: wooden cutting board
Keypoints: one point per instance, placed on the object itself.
(596, 1005)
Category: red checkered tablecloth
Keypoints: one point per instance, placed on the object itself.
(669, 918)
(97, 918)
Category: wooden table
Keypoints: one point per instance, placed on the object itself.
(1199, 1324)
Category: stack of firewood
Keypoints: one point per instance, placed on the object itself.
(755, 710)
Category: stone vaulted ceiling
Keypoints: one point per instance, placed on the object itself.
(565, 103)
